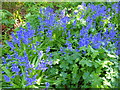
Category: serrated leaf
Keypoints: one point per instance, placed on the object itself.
(75, 69)
(64, 65)
(86, 62)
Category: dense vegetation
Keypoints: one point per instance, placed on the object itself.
(61, 45)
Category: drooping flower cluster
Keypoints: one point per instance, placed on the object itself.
(23, 61)
(20, 63)
(26, 43)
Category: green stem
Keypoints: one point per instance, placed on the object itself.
(23, 78)
(40, 79)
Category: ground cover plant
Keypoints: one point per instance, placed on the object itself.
(57, 49)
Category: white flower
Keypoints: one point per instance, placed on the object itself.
(40, 54)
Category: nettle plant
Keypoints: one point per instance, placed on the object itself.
(78, 51)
